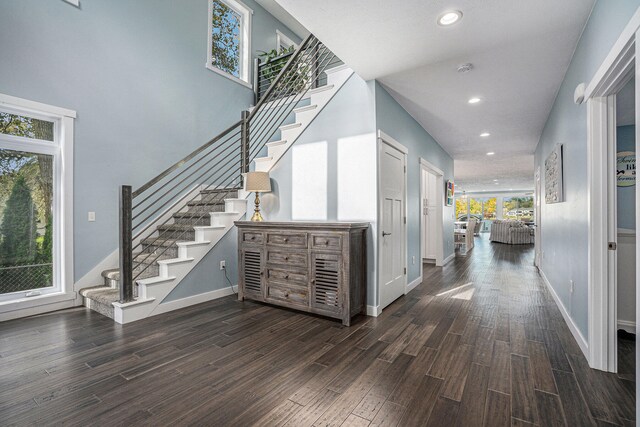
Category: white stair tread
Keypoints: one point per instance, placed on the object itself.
(336, 69)
(222, 214)
(263, 159)
(134, 302)
(209, 227)
(173, 261)
(291, 126)
(187, 244)
(275, 144)
(319, 89)
(237, 200)
(155, 280)
(305, 108)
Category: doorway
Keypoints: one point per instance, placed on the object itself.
(604, 248)
(392, 185)
(431, 204)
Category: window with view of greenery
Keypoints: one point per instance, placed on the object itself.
(26, 219)
(520, 208)
(230, 22)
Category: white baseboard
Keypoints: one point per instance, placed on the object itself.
(373, 310)
(449, 258)
(582, 342)
(411, 286)
(627, 326)
(166, 307)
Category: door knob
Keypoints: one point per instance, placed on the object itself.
(385, 234)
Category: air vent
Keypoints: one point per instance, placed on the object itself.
(327, 276)
(252, 271)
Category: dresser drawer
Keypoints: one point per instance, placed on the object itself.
(252, 237)
(289, 240)
(326, 241)
(288, 277)
(293, 259)
(290, 295)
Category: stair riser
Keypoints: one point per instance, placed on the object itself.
(104, 309)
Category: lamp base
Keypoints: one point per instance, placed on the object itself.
(257, 217)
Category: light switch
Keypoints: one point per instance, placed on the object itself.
(91, 217)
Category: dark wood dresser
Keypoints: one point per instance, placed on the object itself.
(315, 267)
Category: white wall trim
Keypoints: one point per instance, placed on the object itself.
(166, 307)
(281, 37)
(449, 258)
(601, 80)
(411, 286)
(35, 107)
(31, 306)
(627, 326)
(577, 335)
(373, 310)
(392, 142)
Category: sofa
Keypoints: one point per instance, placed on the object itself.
(510, 232)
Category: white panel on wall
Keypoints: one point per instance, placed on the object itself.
(356, 192)
(626, 279)
(309, 181)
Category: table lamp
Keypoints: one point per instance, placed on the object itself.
(257, 182)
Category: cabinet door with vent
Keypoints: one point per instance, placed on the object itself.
(251, 276)
(326, 278)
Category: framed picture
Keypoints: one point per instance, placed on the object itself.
(553, 176)
(626, 169)
(449, 194)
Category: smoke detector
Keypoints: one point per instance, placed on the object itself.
(465, 68)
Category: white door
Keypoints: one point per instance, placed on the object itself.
(429, 214)
(392, 227)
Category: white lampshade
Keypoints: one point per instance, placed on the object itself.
(258, 182)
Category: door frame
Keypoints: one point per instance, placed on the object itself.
(429, 167)
(383, 138)
(538, 218)
(600, 95)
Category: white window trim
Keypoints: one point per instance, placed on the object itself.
(245, 43)
(282, 39)
(62, 147)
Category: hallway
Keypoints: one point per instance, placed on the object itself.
(480, 342)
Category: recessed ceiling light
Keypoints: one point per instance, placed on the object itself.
(490, 153)
(473, 100)
(449, 18)
(495, 180)
(485, 134)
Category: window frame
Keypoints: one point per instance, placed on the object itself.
(246, 14)
(283, 40)
(17, 304)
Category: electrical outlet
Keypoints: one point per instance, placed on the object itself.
(571, 286)
(223, 264)
(91, 216)
(413, 259)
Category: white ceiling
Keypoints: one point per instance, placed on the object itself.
(520, 51)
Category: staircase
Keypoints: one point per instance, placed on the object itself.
(169, 224)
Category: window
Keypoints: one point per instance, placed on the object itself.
(229, 39)
(284, 43)
(518, 208)
(35, 194)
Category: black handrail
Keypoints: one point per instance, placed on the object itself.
(219, 165)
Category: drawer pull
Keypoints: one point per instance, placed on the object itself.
(286, 239)
(253, 237)
(286, 258)
(286, 276)
(286, 294)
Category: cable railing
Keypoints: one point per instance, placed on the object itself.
(147, 227)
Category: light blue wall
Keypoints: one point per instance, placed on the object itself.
(349, 118)
(564, 225)
(135, 73)
(394, 120)
(626, 195)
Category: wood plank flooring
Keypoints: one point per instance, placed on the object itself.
(479, 343)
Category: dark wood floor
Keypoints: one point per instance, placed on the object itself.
(480, 342)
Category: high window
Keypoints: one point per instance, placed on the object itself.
(518, 208)
(229, 39)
